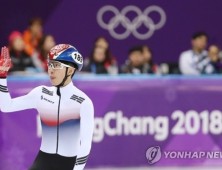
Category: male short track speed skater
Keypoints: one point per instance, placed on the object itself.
(66, 113)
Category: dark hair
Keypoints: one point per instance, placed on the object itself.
(35, 20)
(151, 60)
(40, 48)
(146, 46)
(199, 34)
(100, 38)
(108, 57)
(135, 48)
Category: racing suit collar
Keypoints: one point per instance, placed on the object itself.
(67, 88)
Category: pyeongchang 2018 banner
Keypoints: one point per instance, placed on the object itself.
(139, 121)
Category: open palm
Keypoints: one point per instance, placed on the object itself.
(5, 61)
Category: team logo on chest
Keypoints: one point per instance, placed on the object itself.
(43, 98)
(77, 98)
(46, 91)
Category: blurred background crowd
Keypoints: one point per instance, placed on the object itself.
(29, 49)
(188, 42)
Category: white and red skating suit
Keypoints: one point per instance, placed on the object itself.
(67, 118)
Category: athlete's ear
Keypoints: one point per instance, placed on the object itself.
(71, 71)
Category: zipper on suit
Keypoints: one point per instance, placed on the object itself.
(57, 144)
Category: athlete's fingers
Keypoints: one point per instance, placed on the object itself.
(2, 54)
(7, 57)
(5, 53)
(2, 51)
(7, 64)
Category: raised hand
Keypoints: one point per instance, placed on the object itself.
(5, 62)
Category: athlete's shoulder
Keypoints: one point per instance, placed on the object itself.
(49, 90)
(81, 95)
(43, 89)
(36, 89)
(47, 87)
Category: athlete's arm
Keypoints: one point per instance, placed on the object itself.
(6, 103)
(86, 133)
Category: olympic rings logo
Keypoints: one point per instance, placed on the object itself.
(131, 26)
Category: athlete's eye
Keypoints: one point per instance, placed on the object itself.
(57, 65)
(50, 65)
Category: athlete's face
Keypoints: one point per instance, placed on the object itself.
(57, 75)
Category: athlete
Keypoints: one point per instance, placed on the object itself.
(66, 113)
